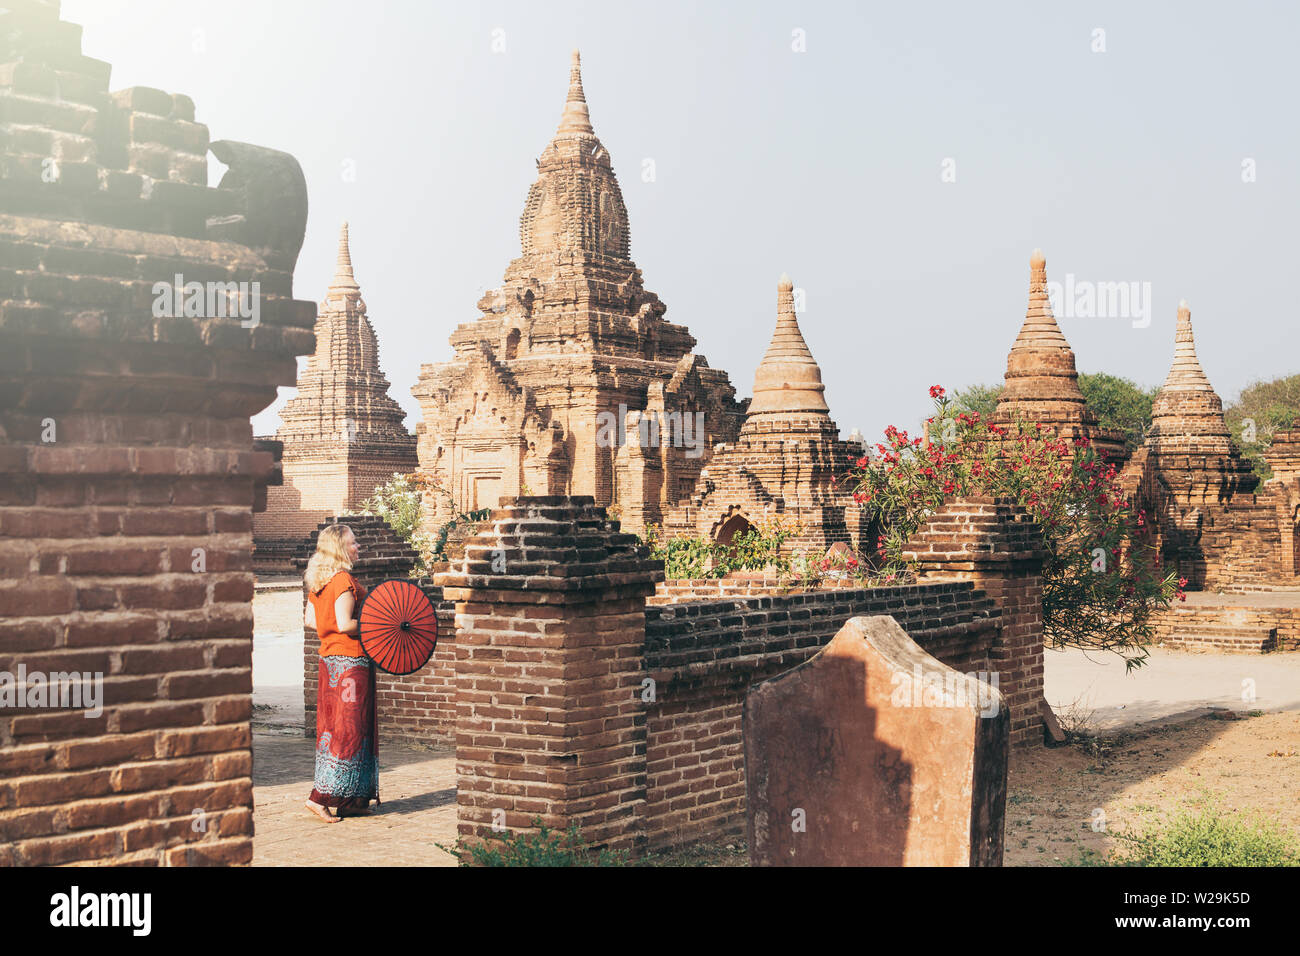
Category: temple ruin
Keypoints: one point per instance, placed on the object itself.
(788, 460)
(342, 434)
(571, 355)
(1042, 383)
(1210, 517)
(575, 682)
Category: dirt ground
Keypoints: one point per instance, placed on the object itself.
(1136, 779)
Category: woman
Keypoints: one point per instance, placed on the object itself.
(347, 746)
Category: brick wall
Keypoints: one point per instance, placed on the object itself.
(995, 544)
(577, 699)
(704, 655)
(128, 475)
(736, 584)
(1220, 623)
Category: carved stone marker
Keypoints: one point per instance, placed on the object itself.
(873, 753)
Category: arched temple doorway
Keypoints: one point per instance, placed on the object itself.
(733, 526)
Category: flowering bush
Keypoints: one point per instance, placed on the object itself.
(811, 571)
(398, 502)
(1102, 579)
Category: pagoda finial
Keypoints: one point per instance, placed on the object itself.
(343, 277)
(788, 379)
(1040, 329)
(576, 119)
(1186, 373)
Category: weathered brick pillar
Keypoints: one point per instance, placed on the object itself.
(128, 474)
(550, 618)
(996, 544)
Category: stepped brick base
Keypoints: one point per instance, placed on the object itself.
(1246, 623)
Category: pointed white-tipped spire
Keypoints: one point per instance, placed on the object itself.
(788, 378)
(1040, 328)
(576, 120)
(1186, 374)
(343, 277)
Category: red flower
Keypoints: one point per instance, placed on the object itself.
(936, 391)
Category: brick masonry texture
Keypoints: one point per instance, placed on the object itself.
(550, 614)
(573, 692)
(704, 655)
(788, 460)
(128, 473)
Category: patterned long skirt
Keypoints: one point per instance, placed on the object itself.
(347, 737)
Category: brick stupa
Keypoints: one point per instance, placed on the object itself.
(788, 460)
(570, 342)
(1212, 526)
(1042, 383)
(343, 434)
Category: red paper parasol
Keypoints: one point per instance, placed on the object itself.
(399, 628)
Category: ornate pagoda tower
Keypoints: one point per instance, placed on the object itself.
(569, 345)
(1042, 383)
(343, 434)
(788, 460)
(1203, 490)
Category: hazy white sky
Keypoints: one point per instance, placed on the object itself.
(1124, 166)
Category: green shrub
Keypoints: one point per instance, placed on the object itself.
(398, 502)
(693, 557)
(541, 846)
(1202, 838)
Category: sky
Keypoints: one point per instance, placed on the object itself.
(900, 161)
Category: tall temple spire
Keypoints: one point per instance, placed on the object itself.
(1186, 373)
(344, 280)
(1040, 330)
(575, 207)
(576, 120)
(1187, 413)
(342, 381)
(1042, 382)
(788, 379)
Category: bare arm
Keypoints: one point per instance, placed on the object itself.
(344, 605)
(309, 616)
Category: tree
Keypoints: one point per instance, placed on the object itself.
(980, 399)
(1102, 580)
(1117, 402)
(1262, 409)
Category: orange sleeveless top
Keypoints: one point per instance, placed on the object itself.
(333, 643)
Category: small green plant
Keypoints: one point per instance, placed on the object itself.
(539, 846)
(397, 501)
(757, 549)
(1204, 837)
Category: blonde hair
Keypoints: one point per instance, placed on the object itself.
(330, 558)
